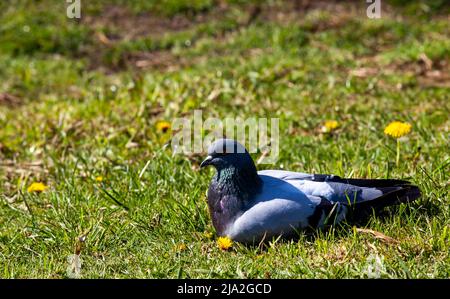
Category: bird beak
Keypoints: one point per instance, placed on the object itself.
(206, 162)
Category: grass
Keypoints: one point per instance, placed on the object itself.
(85, 109)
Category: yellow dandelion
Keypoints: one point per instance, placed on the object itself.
(99, 179)
(224, 243)
(330, 126)
(180, 247)
(37, 187)
(397, 129)
(163, 126)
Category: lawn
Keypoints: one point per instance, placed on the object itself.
(81, 107)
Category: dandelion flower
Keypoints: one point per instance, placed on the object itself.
(99, 179)
(330, 126)
(224, 243)
(163, 126)
(397, 129)
(181, 247)
(37, 187)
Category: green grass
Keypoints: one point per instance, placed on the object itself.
(77, 120)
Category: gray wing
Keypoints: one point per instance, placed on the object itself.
(333, 188)
(286, 175)
(280, 209)
(270, 218)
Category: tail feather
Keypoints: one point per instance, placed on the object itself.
(393, 195)
(393, 192)
(376, 183)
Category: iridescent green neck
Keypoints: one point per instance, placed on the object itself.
(241, 182)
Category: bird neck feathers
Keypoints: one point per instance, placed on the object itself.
(229, 192)
(243, 183)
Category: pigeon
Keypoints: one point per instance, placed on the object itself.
(251, 206)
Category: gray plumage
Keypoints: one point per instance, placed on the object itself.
(248, 206)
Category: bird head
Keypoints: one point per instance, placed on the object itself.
(227, 153)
